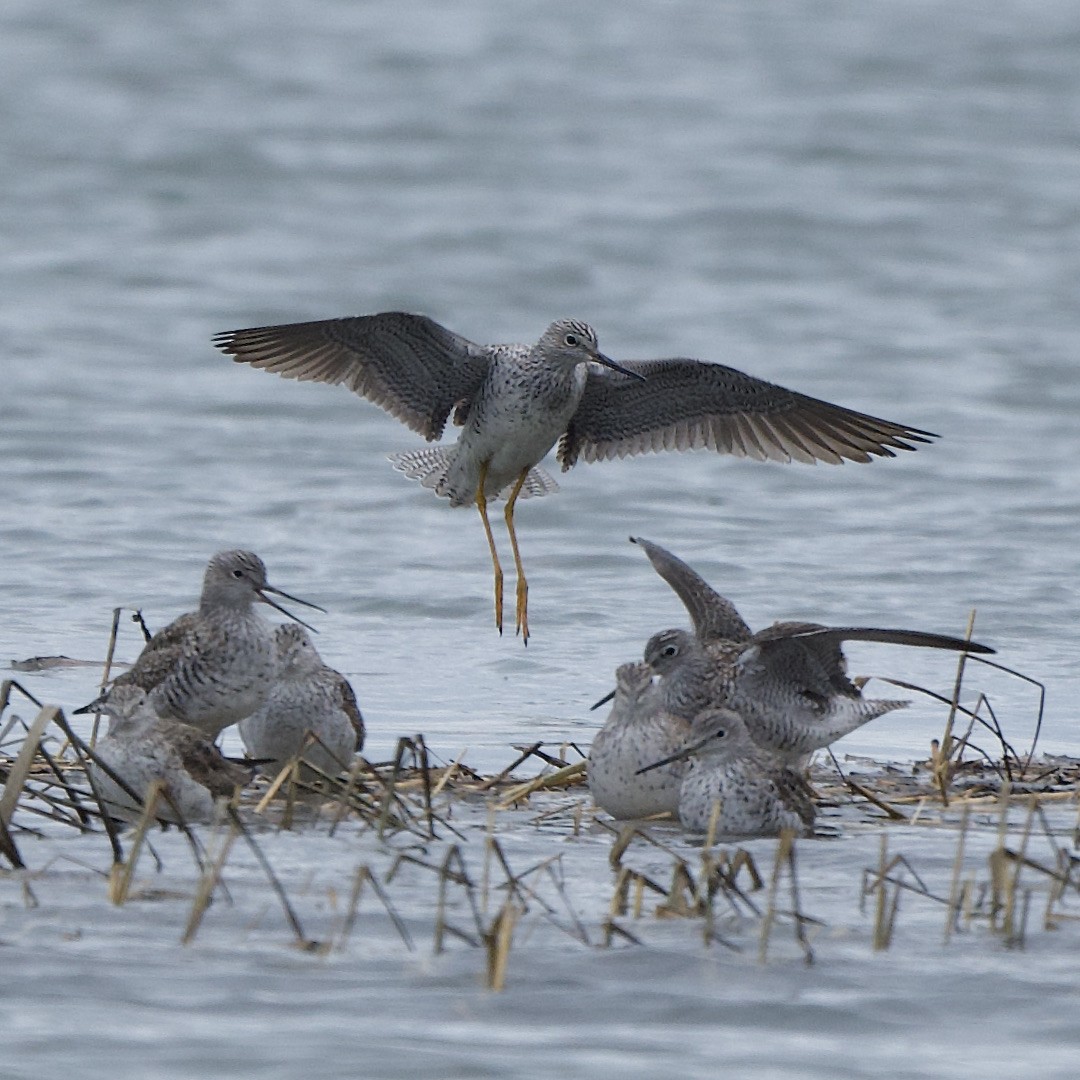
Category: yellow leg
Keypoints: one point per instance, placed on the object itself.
(522, 584)
(481, 505)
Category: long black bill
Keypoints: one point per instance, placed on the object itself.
(95, 706)
(608, 362)
(285, 611)
(685, 752)
(603, 701)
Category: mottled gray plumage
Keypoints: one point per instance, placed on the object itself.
(142, 746)
(637, 732)
(515, 401)
(419, 371)
(307, 695)
(758, 794)
(788, 681)
(212, 667)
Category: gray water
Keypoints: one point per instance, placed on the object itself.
(875, 203)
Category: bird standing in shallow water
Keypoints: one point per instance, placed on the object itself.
(514, 402)
(307, 695)
(758, 794)
(212, 667)
(141, 747)
(637, 733)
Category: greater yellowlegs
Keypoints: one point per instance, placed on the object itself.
(212, 667)
(307, 696)
(788, 681)
(757, 794)
(514, 402)
(637, 732)
(141, 747)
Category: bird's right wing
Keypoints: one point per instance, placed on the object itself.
(407, 364)
(713, 615)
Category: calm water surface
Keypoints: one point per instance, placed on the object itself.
(876, 203)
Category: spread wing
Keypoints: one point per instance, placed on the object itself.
(782, 642)
(691, 404)
(815, 636)
(713, 615)
(408, 365)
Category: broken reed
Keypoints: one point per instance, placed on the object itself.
(411, 796)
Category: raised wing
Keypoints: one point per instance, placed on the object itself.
(690, 404)
(713, 615)
(408, 365)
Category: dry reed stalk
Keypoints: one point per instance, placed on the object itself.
(953, 912)
(106, 673)
(420, 749)
(121, 873)
(290, 795)
(619, 894)
(559, 881)
(447, 775)
(498, 941)
(362, 877)
(499, 777)
(560, 778)
(622, 842)
(946, 738)
(783, 849)
(882, 933)
(20, 769)
(682, 900)
(1042, 704)
(890, 811)
(347, 794)
(453, 871)
(998, 861)
(304, 942)
(208, 882)
(714, 824)
(86, 753)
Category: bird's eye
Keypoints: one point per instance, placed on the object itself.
(669, 650)
(238, 573)
(719, 734)
(571, 340)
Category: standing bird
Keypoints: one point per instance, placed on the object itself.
(637, 733)
(212, 667)
(758, 794)
(788, 681)
(141, 747)
(307, 695)
(514, 402)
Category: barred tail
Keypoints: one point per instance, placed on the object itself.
(431, 465)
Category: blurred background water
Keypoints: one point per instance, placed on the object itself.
(876, 203)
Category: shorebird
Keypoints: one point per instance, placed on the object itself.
(513, 402)
(212, 667)
(142, 746)
(307, 695)
(637, 733)
(788, 681)
(758, 794)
